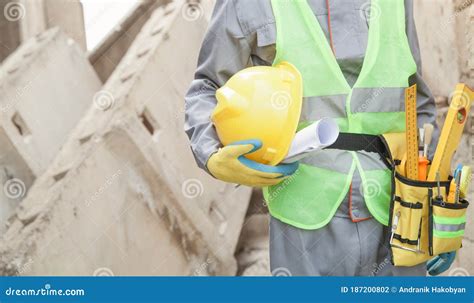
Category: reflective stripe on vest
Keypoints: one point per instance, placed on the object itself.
(375, 105)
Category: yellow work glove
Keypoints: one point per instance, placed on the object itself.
(230, 165)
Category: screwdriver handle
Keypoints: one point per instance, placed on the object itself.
(428, 135)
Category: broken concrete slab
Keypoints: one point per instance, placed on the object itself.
(114, 206)
(127, 166)
(36, 116)
(45, 88)
(41, 15)
(443, 31)
(108, 54)
(21, 20)
(15, 179)
(10, 38)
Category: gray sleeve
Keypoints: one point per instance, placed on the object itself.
(426, 106)
(224, 52)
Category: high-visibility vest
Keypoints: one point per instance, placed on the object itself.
(374, 105)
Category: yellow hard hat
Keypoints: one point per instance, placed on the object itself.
(261, 103)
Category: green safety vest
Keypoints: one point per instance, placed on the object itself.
(374, 105)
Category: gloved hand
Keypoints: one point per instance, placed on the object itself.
(230, 165)
(440, 263)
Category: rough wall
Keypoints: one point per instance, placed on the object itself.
(45, 88)
(40, 15)
(21, 20)
(446, 33)
(10, 38)
(111, 50)
(124, 195)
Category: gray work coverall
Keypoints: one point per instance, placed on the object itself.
(242, 33)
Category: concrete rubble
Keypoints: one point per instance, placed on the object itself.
(124, 192)
(101, 179)
(445, 30)
(34, 121)
(24, 19)
(110, 52)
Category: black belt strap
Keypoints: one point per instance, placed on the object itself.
(358, 142)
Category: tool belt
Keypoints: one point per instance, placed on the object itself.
(421, 225)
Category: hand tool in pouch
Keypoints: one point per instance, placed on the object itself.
(466, 178)
(439, 197)
(411, 133)
(455, 186)
(423, 160)
(452, 132)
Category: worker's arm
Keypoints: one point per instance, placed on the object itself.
(224, 52)
(425, 101)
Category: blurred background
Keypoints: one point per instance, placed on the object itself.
(96, 175)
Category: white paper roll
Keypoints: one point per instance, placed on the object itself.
(312, 138)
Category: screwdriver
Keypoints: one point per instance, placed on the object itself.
(438, 181)
(455, 185)
(423, 160)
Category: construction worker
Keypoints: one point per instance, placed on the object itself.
(356, 58)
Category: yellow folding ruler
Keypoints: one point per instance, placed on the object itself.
(452, 131)
(411, 168)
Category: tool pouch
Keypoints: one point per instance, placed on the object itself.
(421, 224)
(447, 226)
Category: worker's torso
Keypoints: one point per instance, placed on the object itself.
(349, 27)
(311, 198)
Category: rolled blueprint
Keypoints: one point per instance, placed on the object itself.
(312, 138)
